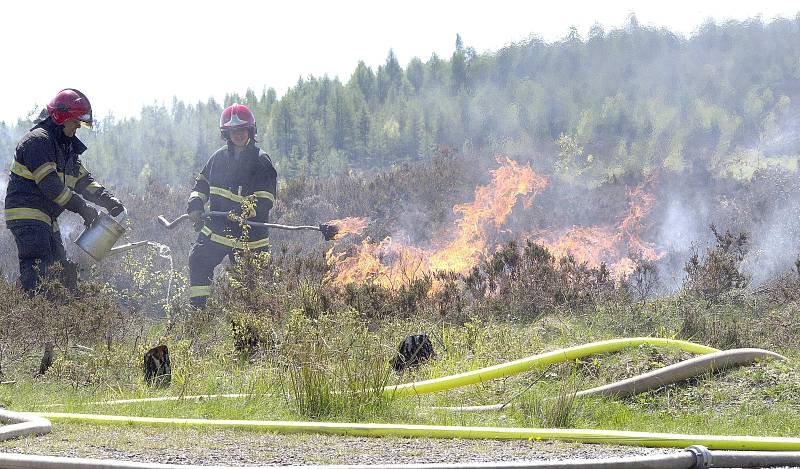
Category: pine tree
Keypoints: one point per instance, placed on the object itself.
(364, 79)
(415, 72)
(458, 67)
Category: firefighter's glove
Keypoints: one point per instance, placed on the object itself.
(89, 214)
(114, 206)
(196, 216)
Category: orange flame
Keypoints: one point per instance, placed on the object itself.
(489, 210)
(348, 225)
(387, 263)
(392, 263)
(608, 244)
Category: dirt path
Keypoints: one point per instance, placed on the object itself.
(231, 447)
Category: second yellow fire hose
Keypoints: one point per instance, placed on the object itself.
(619, 437)
(686, 369)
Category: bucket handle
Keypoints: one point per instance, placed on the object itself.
(122, 216)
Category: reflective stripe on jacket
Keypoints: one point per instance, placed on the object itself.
(225, 182)
(47, 176)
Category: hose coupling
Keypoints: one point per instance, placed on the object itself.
(702, 456)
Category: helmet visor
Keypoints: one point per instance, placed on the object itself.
(86, 120)
(234, 122)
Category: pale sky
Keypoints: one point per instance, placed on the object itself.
(124, 55)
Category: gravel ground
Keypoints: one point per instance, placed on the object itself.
(232, 447)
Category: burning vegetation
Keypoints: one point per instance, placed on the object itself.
(394, 260)
(613, 245)
(348, 225)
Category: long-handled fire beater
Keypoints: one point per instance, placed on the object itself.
(329, 231)
(98, 239)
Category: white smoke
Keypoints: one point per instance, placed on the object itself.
(71, 226)
(775, 244)
(682, 227)
(786, 140)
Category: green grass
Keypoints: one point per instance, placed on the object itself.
(762, 399)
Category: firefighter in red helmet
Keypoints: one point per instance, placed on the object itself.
(47, 177)
(240, 178)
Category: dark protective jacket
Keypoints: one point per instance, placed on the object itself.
(47, 177)
(225, 182)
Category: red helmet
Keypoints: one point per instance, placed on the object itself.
(237, 116)
(70, 104)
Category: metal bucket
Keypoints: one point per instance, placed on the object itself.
(98, 239)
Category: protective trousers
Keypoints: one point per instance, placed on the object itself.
(204, 256)
(39, 247)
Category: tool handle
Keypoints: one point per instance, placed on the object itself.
(172, 224)
(283, 227)
(268, 225)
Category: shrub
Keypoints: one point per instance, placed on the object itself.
(254, 301)
(532, 281)
(557, 409)
(718, 272)
(335, 367)
(87, 316)
(643, 282)
(717, 325)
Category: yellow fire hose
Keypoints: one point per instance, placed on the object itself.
(538, 361)
(484, 374)
(619, 437)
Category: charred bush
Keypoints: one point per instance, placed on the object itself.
(47, 358)
(531, 280)
(718, 272)
(643, 281)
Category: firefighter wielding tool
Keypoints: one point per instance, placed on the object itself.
(334, 229)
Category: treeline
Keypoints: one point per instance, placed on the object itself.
(628, 100)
